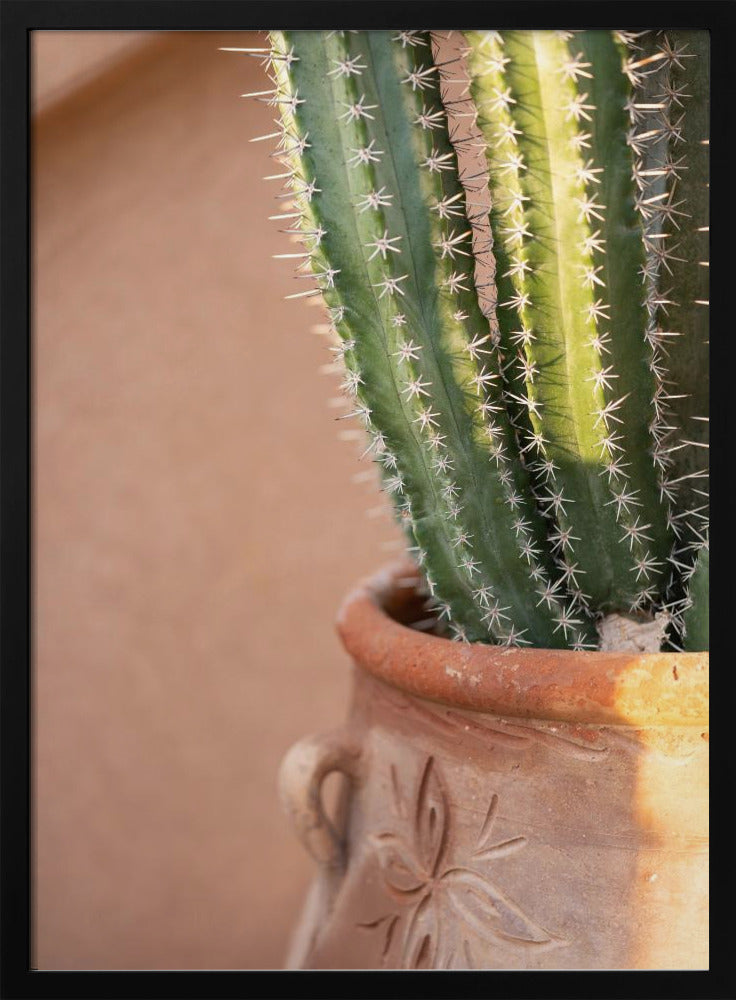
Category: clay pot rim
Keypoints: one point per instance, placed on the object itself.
(647, 689)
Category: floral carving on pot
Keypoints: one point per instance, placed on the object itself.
(446, 898)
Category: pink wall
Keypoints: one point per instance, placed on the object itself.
(195, 521)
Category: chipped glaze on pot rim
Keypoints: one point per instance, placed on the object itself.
(637, 689)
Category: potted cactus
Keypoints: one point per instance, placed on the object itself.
(510, 238)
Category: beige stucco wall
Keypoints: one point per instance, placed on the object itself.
(195, 521)
(64, 61)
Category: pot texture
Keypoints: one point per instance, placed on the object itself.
(503, 808)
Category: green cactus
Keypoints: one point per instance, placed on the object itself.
(545, 469)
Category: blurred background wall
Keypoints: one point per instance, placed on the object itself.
(195, 521)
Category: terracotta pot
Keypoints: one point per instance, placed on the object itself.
(504, 808)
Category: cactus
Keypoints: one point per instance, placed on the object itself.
(544, 463)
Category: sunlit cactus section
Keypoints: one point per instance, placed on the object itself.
(601, 253)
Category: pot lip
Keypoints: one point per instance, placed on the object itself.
(587, 687)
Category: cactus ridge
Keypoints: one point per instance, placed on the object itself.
(670, 136)
(568, 252)
(528, 450)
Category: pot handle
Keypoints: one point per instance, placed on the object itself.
(302, 772)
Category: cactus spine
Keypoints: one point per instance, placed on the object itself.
(529, 452)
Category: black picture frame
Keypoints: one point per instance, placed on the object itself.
(18, 19)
